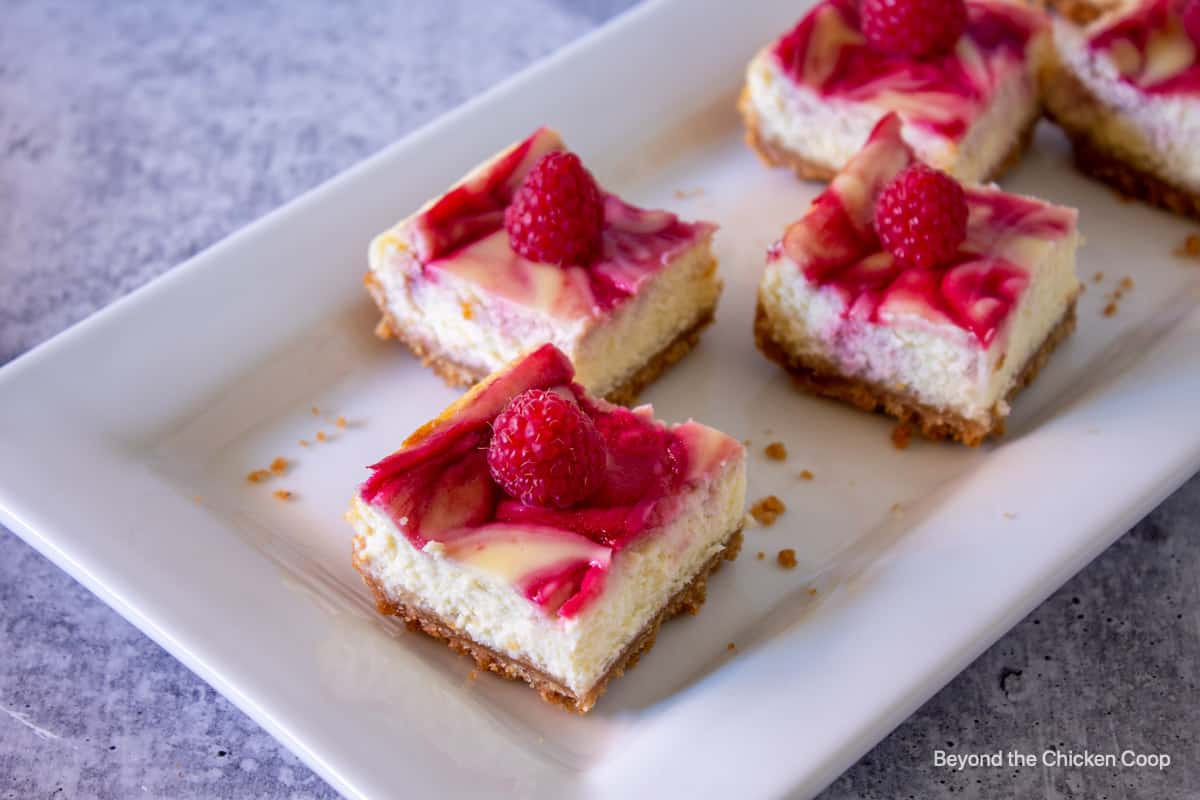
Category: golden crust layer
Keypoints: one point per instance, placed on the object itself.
(456, 374)
(689, 599)
(774, 153)
(822, 378)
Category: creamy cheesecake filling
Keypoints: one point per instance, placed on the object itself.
(1114, 95)
(483, 603)
(956, 337)
(820, 89)
(453, 283)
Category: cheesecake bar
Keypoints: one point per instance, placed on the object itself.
(961, 76)
(546, 533)
(902, 291)
(1125, 88)
(528, 249)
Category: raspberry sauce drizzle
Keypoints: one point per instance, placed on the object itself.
(1151, 49)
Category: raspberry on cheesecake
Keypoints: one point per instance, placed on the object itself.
(961, 74)
(528, 249)
(903, 291)
(547, 533)
(1125, 87)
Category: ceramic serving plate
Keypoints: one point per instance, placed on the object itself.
(125, 442)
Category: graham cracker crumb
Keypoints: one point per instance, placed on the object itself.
(776, 451)
(1110, 309)
(812, 591)
(746, 443)
(761, 555)
(316, 411)
(304, 442)
(1190, 247)
(806, 475)
(467, 311)
(473, 675)
(1099, 276)
(258, 475)
(197, 498)
(279, 465)
(1126, 283)
(321, 437)
(767, 510)
(786, 558)
(683, 194)
(901, 436)
(282, 494)
(1009, 515)
(897, 509)
(731, 647)
(341, 422)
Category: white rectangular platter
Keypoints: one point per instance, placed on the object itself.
(124, 444)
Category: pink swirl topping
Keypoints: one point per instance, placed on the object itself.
(1150, 48)
(835, 245)
(945, 94)
(438, 490)
(462, 236)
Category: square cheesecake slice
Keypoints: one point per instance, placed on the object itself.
(941, 346)
(812, 96)
(1125, 87)
(545, 533)
(517, 254)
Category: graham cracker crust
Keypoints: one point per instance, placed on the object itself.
(1129, 180)
(774, 153)
(822, 378)
(689, 599)
(457, 374)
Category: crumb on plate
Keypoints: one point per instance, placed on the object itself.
(321, 437)
(1110, 309)
(258, 475)
(806, 475)
(341, 422)
(786, 558)
(901, 436)
(279, 465)
(767, 510)
(282, 494)
(1190, 247)
(776, 451)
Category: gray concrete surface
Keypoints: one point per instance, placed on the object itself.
(133, 135)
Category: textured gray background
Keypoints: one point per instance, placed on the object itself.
(134, 134)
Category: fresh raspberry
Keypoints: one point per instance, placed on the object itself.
(921, 217)
(1191, 19)
(545, 451)
(556, 215)
(916, 28)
